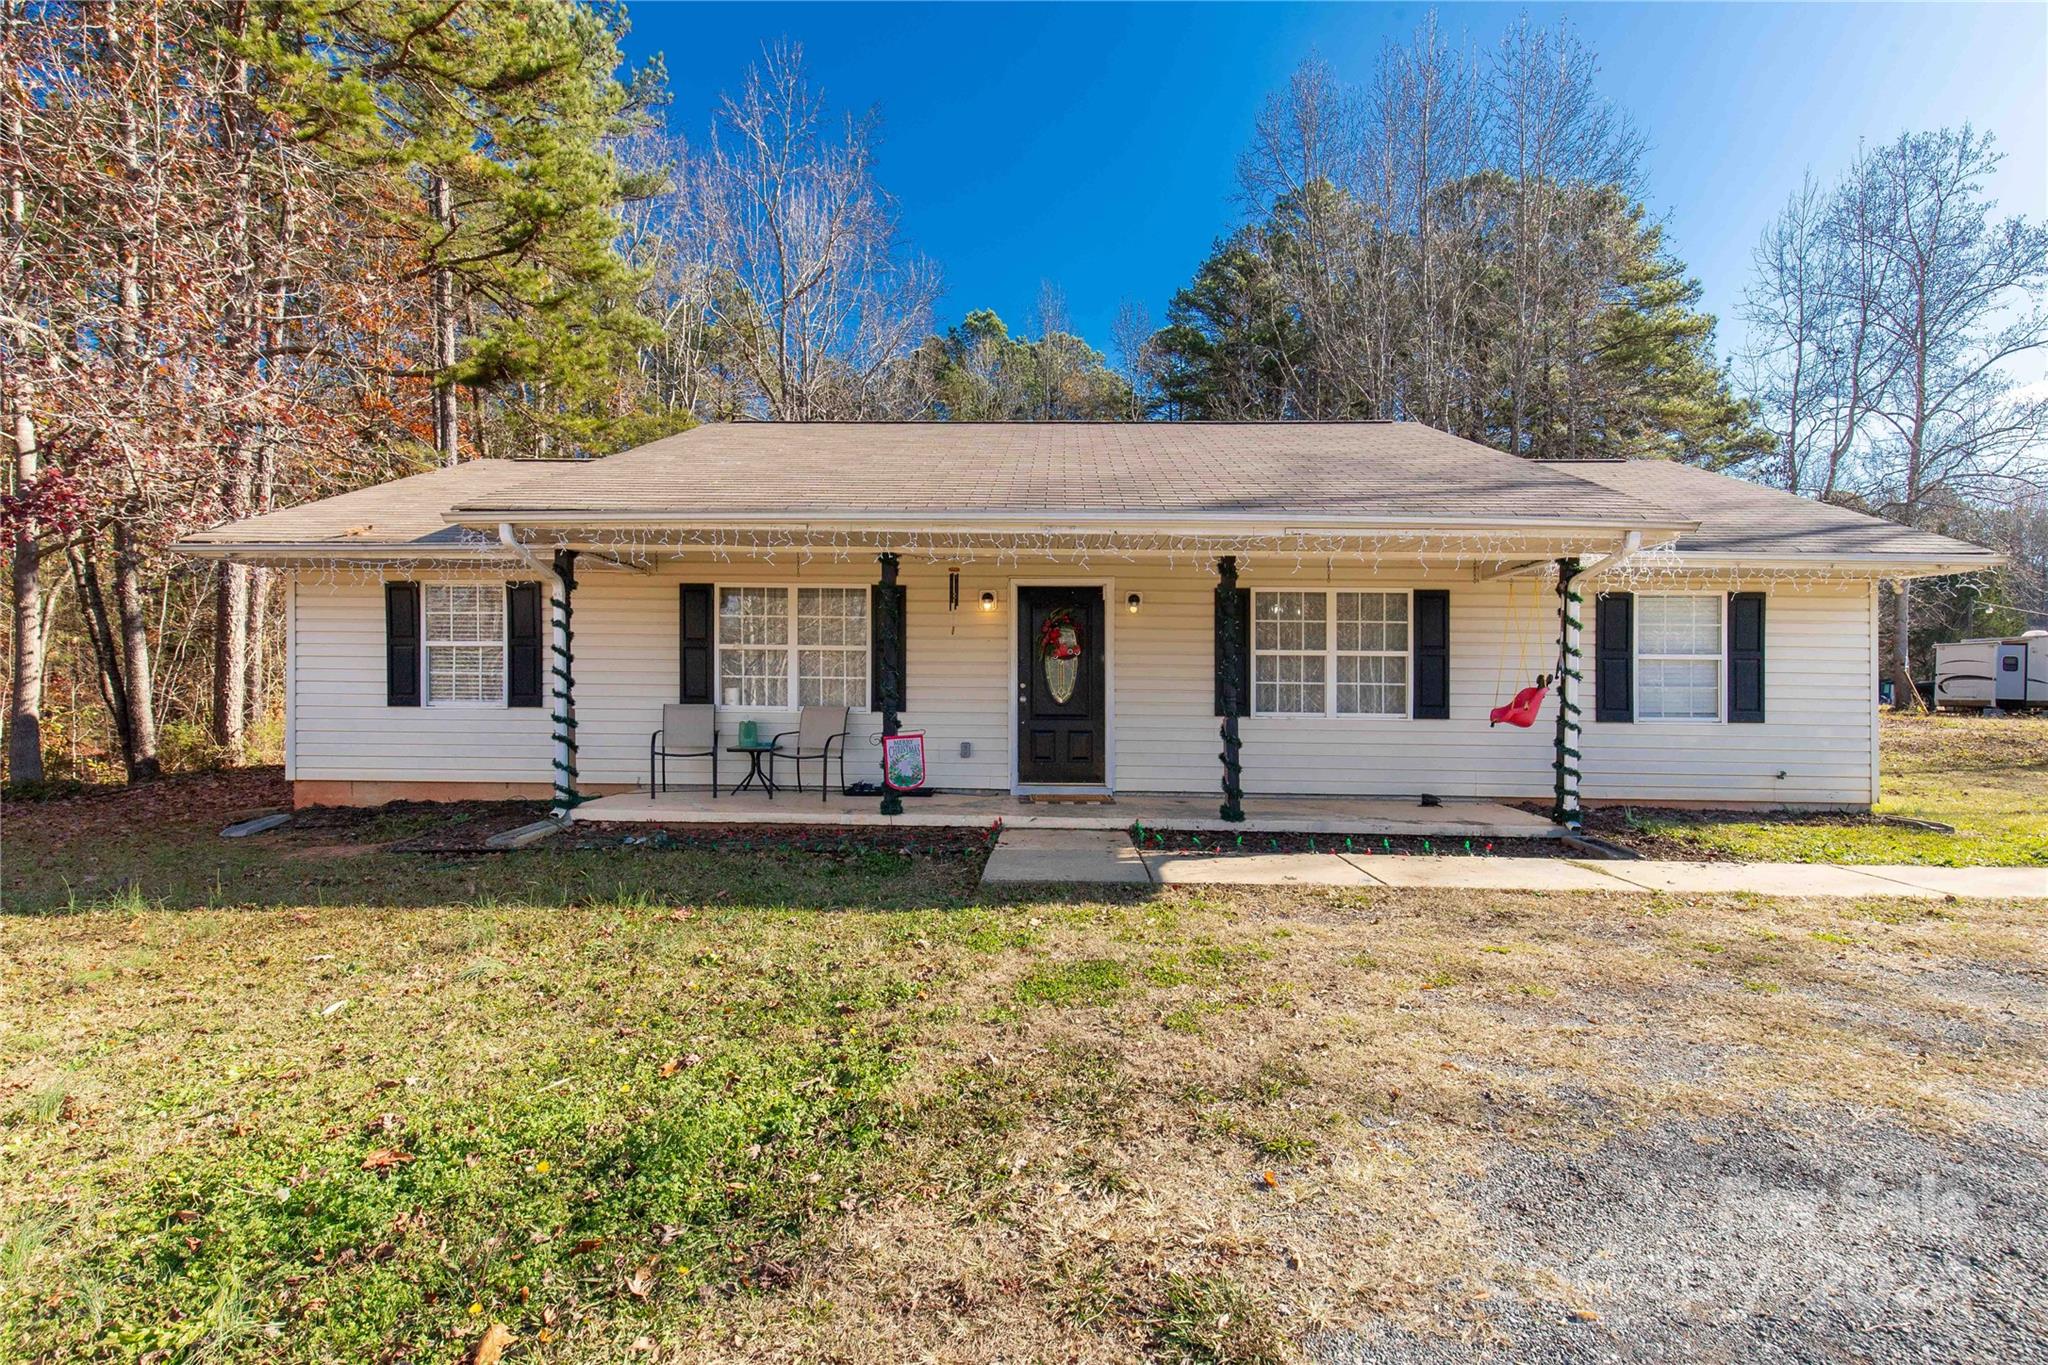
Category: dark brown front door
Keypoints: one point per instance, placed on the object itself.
(1060, 721)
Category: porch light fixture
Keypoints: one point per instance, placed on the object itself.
(1131, 603)
(988, 601)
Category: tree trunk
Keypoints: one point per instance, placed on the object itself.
(92, 609)
(447, 420)
(25, 693)
(143, 765)
(1905, 694)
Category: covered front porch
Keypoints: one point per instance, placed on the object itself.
(1336, 815)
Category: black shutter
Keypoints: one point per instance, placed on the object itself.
(895, 648)
(693, 638)
(1239, 646)
(1746, 657)
(1614, 657)
(1431, 644)
(522, 644)
(401, 644)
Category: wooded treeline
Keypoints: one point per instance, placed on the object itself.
(257, 253)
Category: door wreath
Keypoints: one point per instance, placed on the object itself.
(1059, 649)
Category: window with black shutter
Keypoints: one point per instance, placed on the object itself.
(401, 644)
(894, 650)
(693, 637)
(1614, 658)
(523, 650)
(1235, 644)
(1432, 664)
(1746, 657)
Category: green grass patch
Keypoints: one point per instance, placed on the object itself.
(1091, 981)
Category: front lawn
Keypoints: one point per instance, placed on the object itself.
(1986, 778)
(297, 1098)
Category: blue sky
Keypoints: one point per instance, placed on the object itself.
(1095, 145)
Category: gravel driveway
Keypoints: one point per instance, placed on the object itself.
(1816, 1236)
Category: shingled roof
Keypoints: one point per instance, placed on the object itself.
(1742, 520)
(1369, 472)
(409, 514)
(1233, 475)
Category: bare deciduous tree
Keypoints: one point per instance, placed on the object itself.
(818, 305)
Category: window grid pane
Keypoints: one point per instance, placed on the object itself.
(1290, 634)
(830, 631)
(465, 643)
(833, 671)
(1372, 653)
(1678, 657)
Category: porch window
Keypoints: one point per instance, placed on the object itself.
(1678, 656)
(1290, 653)
(775, 644)
(464, 644)
(1330, 653)
(1372, 653)
(832, 647)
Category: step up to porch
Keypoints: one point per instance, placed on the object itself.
(1098, 857)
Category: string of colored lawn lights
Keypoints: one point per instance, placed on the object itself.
(1226, 842)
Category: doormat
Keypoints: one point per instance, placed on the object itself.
(1078, 800)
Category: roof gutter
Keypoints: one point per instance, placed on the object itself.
(329, 551)
(1630, 543)
(1238, 522)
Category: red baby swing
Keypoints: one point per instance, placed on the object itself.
(1528, 702)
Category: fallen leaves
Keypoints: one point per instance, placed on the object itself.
(491, 1345)
(641, 1282)
(385, 1158)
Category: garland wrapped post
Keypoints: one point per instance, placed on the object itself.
(1565, 765)
(562, 671)
(888, 676)
(1230, 678)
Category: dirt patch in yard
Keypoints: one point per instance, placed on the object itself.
(187, 799)
(830, 842)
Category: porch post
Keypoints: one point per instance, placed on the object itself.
(562, 671)
(888, 677)
(1565, 764)
(1230, 681)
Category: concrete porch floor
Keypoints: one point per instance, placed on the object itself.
(1263, 814)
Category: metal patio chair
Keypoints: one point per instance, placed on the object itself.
(686, 732)
(818, 728)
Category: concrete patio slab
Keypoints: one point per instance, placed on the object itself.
(1486, 874)
(1099, 857)
(1989, 883)
(1767, 879)
(1254, 869)
(1335, 815)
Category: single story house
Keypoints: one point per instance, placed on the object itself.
(1275, 608)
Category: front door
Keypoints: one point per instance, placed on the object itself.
(1061, 729)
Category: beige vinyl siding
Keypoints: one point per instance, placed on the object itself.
(341, 727)
(1819, 657)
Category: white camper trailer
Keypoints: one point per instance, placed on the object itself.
(2002, 674)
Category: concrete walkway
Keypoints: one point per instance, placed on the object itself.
(1105, 858)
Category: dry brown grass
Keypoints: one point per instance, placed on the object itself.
(1072, 1169)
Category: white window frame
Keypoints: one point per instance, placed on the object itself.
(1720, 658)
(427, 645)
(791, 682)
(1330, 656)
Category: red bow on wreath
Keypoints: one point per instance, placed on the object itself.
(1061, 638)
